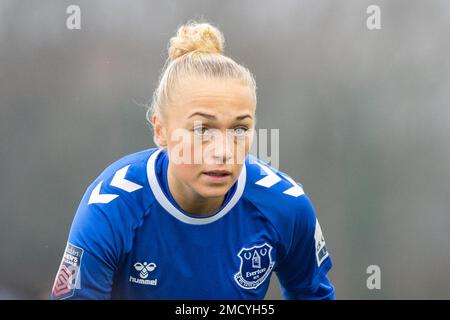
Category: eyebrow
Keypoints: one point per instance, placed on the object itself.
(212, 117)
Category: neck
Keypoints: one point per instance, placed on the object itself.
(190, 201)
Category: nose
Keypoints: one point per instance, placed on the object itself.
(223, 149)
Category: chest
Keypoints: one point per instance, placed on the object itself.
(228, 259)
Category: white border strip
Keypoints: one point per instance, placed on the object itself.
(170, 208)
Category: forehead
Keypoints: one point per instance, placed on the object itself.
(213, 94)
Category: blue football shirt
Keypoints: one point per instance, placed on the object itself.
(130, 239)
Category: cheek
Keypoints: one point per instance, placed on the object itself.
(186, 172)
(181, 147)
(243, 146)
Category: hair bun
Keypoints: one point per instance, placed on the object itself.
(194, 36)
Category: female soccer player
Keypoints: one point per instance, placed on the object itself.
(197, 217)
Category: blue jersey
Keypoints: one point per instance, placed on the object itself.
(131, 240)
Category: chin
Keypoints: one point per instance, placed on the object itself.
(213, 191)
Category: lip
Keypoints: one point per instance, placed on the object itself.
(217, 175)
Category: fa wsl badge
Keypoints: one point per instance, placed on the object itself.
(256, 265)
(68, 277)
(321, 248)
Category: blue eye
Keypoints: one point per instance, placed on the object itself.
(200, 131)
(241, 131)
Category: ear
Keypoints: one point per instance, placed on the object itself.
(159, 131)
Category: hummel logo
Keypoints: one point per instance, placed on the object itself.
(144, 268)
(144, 271)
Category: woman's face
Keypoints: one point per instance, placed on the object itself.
(208, 130)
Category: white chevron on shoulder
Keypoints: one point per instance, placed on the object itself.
(269, 180)
(120, 182)
(97, 197)
(296, 190)
(117, 181)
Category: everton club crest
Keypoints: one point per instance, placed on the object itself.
(256, 265)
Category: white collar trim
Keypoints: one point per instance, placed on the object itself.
(170, 208)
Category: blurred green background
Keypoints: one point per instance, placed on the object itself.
(363, 115)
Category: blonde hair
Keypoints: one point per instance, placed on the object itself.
(196, 50)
